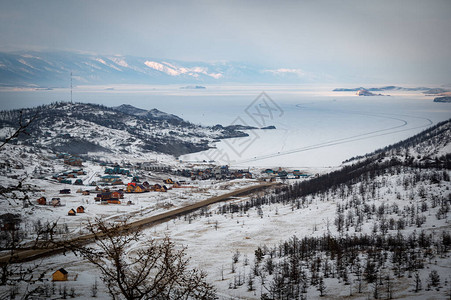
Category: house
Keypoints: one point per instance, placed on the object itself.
(78, 182)
(140, 189)
(71, 212)
(163, 189)
(42, 201)
(85, 193)
(177, 185)
(116, 195)
(168, 181)
(60, 275)
(56, 202)
(110, 178)
(130, 187)
(80, 210)
(156, 187)
(65, 191)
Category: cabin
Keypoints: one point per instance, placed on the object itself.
(156, 187)
(85, 193)
(60, 275)
(177, 185)
(42, 201)
(56, 202)
(80, 210)
(163, 189)
(116, 195)
(65, 191)
(110, 178)
(130, 187)
(168, 181)
(78, 182)
(71, 212)
(140, 189)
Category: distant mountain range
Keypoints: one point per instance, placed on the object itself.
(53, 69)
(425, 90)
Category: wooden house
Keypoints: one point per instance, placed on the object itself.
(85, 193)
(140, 189)
(156, 187)
(80, 210)
(42, 201)
(60, 275)
(130, 187)
(116, 195)
(56, 202)
(164, 189)
(78, 182)
(71, 212)
(168, 181)
(176, 185)
(65, 191)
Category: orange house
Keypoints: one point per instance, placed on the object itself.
(71, 212)
(42, 201)
(80, 210)
(139, 189)
(60, 275)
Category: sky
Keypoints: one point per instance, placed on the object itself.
(406, 41)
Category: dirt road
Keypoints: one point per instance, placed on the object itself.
(31, 254)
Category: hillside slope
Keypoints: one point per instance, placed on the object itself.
(79, 128)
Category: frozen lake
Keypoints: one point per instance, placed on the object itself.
(316, 128)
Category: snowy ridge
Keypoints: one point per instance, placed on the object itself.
(79, 128)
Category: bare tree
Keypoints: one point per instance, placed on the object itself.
(21, 129)
(157, 270)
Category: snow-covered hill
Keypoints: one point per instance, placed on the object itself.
(79, 128)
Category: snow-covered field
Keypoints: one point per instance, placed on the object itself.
(213, 238)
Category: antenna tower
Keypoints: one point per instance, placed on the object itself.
(70, 87)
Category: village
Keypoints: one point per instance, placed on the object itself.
(103, 184)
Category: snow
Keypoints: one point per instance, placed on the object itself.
(313, 134)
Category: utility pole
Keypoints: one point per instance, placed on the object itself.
(70, 87)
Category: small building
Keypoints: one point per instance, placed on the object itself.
(65, 191)
(60, 275)
(71, 212)
(86, 193)
(140, 189)
(78, 182)
(56, 202)
(168, 181)
(80, 210)
(42, 201)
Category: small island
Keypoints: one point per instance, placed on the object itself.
(364, 92)
(446, 99)
(193, 87)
